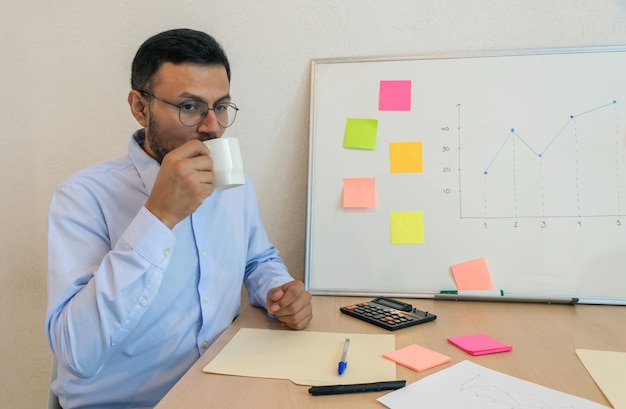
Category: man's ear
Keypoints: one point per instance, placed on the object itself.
(138, 107)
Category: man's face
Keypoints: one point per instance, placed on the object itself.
(177, 83)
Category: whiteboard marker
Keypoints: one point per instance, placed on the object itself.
(474, 292)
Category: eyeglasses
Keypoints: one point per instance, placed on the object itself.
(192, 112)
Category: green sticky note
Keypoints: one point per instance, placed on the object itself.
(407, 227)
(360, 133)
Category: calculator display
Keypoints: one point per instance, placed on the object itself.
(391, 303)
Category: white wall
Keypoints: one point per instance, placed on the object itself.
(64, 68)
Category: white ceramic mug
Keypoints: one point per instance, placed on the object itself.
(227, 162)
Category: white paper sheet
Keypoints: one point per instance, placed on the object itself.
(470, 386)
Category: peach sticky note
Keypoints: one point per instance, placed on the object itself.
(359, 193)
(472, 275)
(407, 227)
(360, 133)
(417, 358)
(395, 95)
(406, 157)
(479, 344)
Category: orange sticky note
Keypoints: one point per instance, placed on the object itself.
(406, 157)
(359, 193)
(472, 275)
(417, 358)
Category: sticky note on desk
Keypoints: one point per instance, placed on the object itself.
(479, 344)
(417, 358)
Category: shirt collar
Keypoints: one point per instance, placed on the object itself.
(147, 167)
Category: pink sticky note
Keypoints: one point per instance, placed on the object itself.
(395, 96)
(472, 275)
(479, 344)
(417, 358)
(359, 193)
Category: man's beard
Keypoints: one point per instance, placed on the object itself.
(159, 143)
(156, 140)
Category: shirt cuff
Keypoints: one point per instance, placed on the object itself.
(150, 238)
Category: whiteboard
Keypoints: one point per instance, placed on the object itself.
(523, 157)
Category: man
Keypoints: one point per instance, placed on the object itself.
(145, 260)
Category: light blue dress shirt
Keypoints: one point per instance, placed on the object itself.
(133, 304)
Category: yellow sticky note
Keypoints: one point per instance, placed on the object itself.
(417, 358)
(406, 157)
(472, 275)
(359, 193)
(360, 133)
(407, 227)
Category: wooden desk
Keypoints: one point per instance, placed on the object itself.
(543, 336)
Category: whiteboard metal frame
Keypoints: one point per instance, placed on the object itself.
(410, 57)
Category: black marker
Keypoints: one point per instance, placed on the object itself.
(356, 388)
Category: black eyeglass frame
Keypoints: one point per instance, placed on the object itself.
(181, 105)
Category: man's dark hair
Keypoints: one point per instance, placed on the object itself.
(176, 46)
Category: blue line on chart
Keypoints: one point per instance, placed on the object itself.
(540, 154)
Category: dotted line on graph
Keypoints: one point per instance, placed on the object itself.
(576, 167)
(617, 162)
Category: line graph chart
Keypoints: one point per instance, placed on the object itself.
(576, 168)
(491, 395)
(543, 151)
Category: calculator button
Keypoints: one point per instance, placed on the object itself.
(352, 307)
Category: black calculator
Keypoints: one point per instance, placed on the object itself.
(388, 313)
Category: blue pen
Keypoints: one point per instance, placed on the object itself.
(343, 363)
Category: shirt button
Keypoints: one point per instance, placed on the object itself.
(206, 298)
(205, 344)
(144, 302)
(166, 252)
(204, 253)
